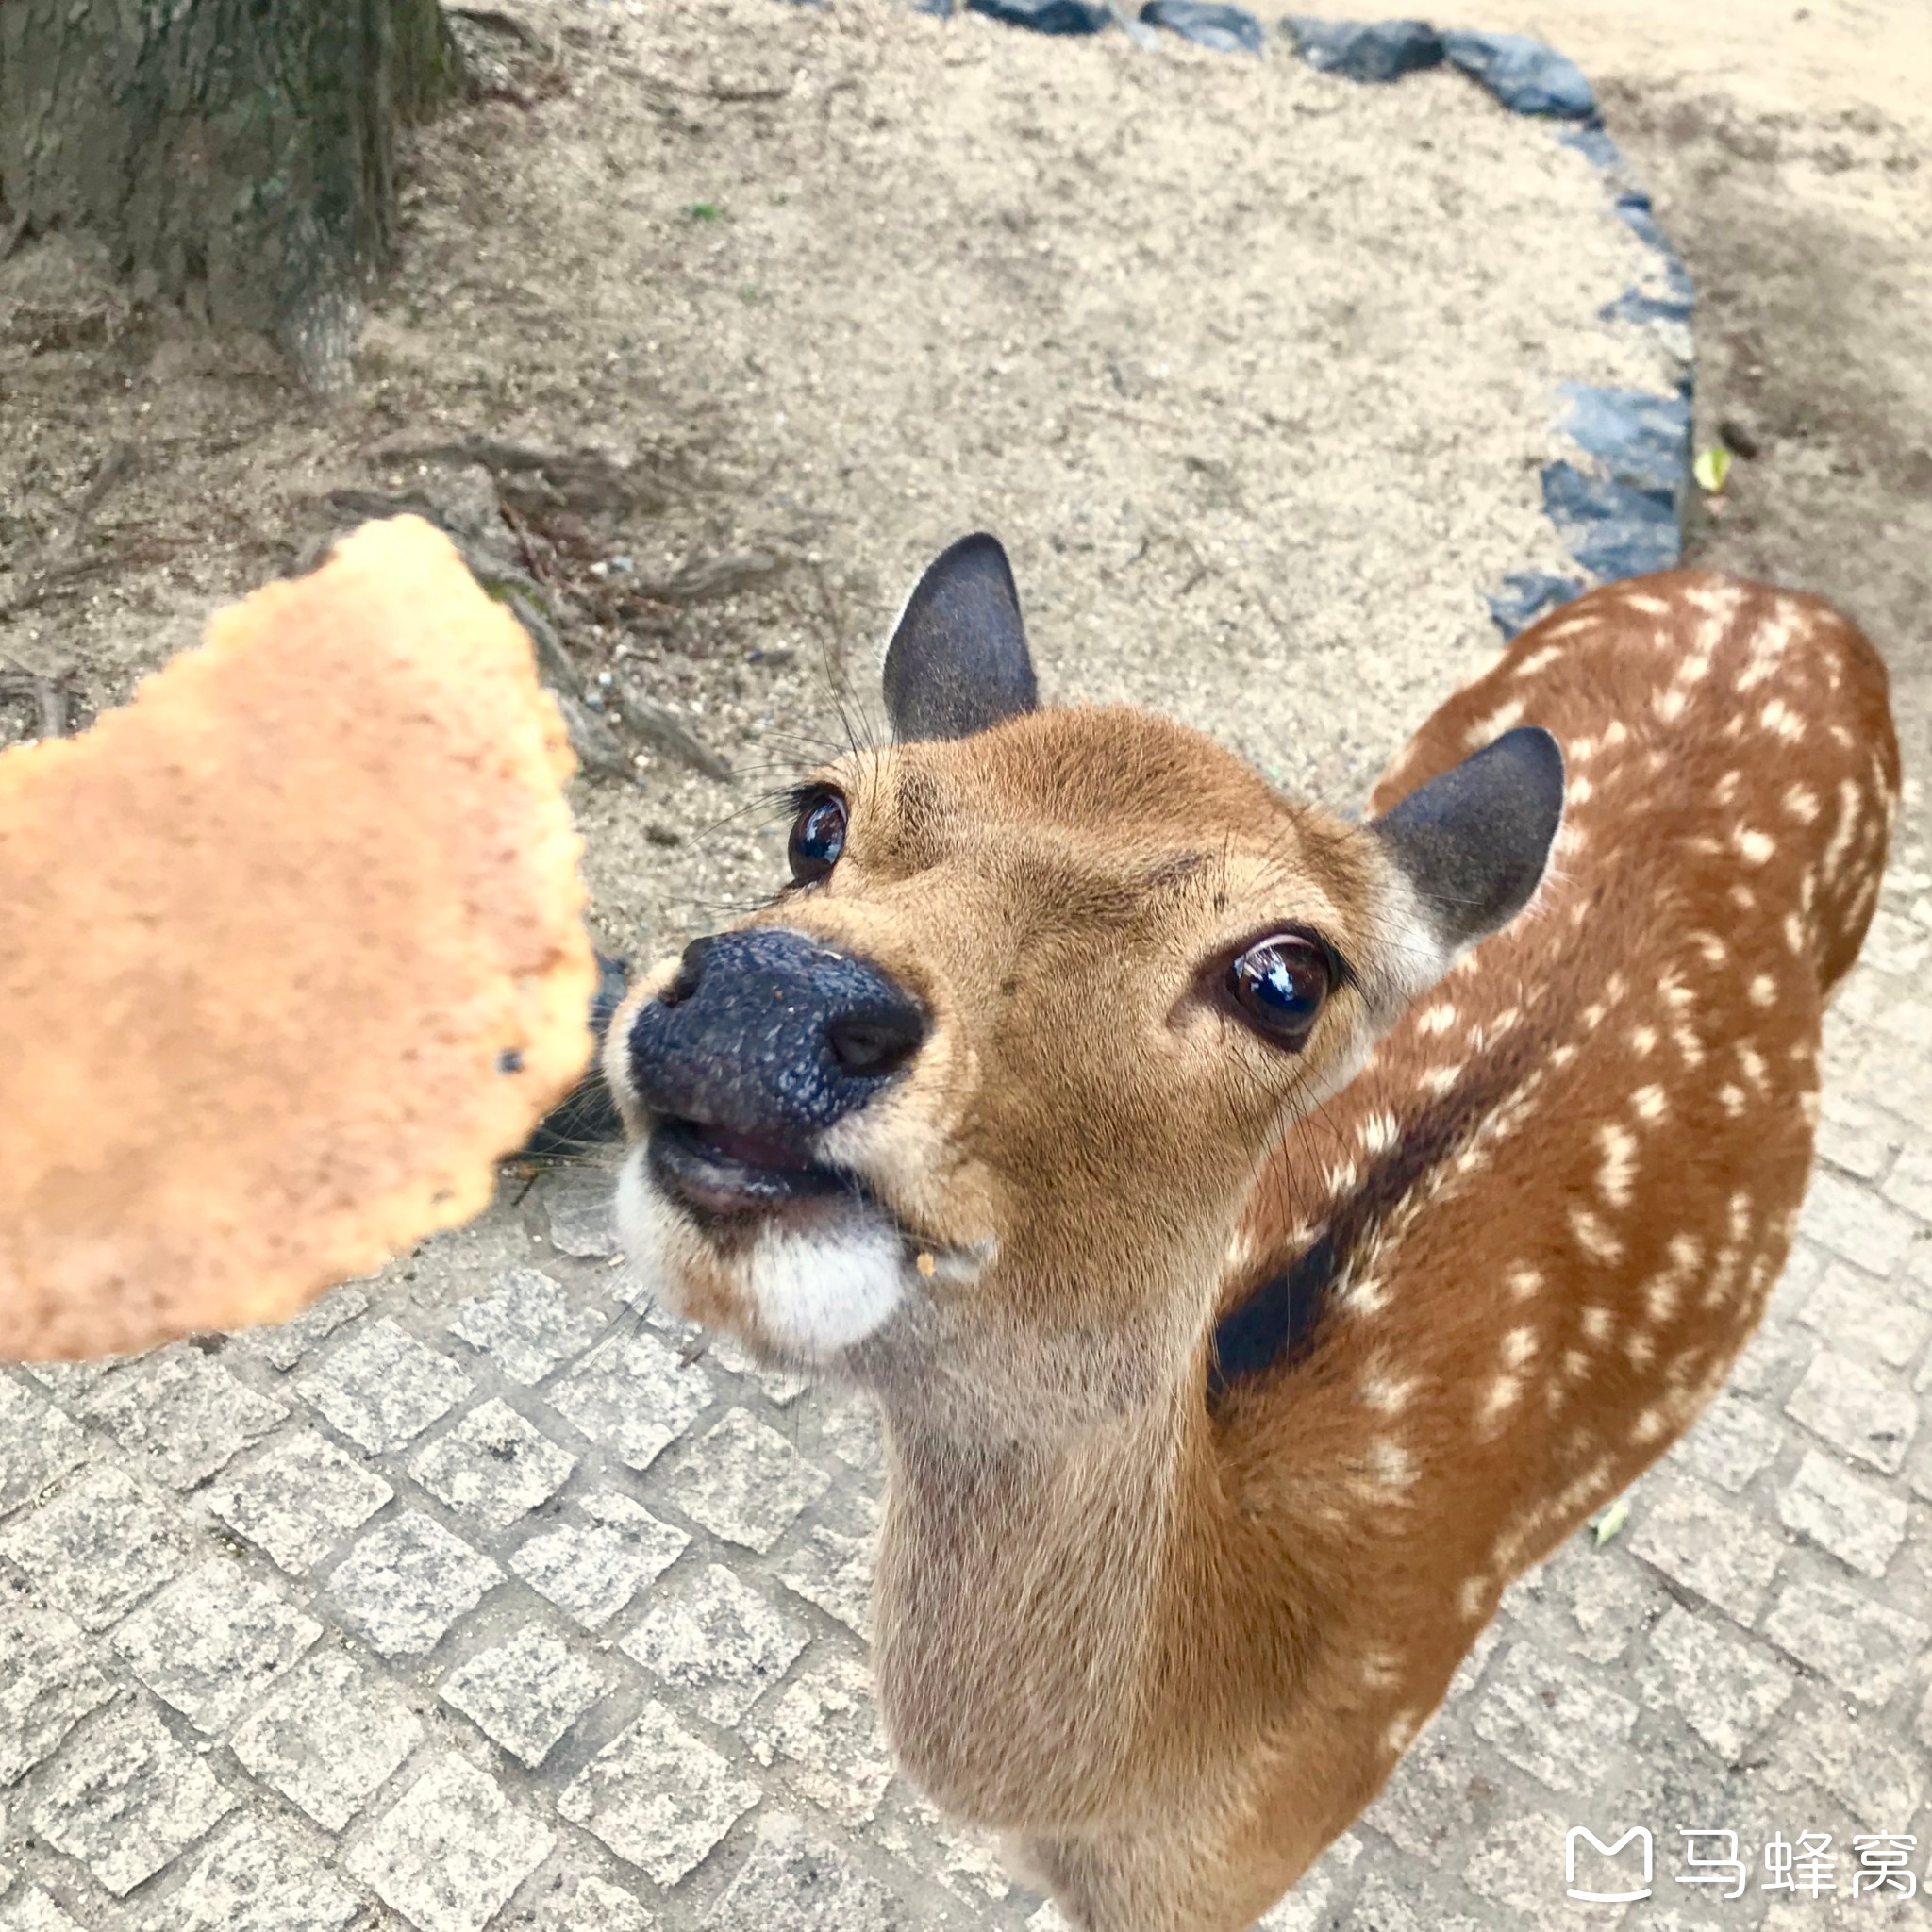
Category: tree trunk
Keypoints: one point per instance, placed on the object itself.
(236, 153)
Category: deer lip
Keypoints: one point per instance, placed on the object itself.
(719, 1171)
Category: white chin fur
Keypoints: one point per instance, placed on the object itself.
(824, 1291)
(814, 1291)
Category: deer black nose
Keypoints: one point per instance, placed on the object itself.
(773, 1034)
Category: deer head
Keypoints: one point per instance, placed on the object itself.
(969, 1112)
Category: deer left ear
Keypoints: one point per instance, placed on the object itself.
(958, 661)
(1473, 843)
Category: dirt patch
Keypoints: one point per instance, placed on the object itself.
(742, 311)
(1788, 144)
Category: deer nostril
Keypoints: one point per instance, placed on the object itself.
(879, 1039)
(691, 969)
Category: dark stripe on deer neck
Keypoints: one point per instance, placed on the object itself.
(1277, 1322)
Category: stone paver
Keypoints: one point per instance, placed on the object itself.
(492, 1467)
(124, 1798)
(716, 1638)
(1857, 1520)
(591, 1568)
(580, 1209)
(29, 1909)
(37, 1442)
(1552, 1720)
(210, 1644)
(1875, 1778)
(256, 1880)
(450, 1850)
(1730, 1442)
(299, 1498)
(406, 1581)
(823, 1725)
(1709, 1545)
(1726, 1691)
(658, 1797)
(794, 1879)
(528, 1325)
(1864, 1647)
(182, 1414)
(526, 1692)
(48, 1683)
(1853, 1314)
(332, 1732)
(285, 1346)
(743, 1481)
(1855, 1409)
(97, 1546)
(633, 1394)
(382, 1388)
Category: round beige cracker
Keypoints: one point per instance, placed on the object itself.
(291, 954)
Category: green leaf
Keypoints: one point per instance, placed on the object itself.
(1711, 469)
(1611, 1521)
(702, 211)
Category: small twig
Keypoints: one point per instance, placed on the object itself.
(669, 734)
(55, 581)
(526, 542)
(117, 464)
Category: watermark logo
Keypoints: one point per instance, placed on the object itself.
(1637, 1835)
(1715, 1861)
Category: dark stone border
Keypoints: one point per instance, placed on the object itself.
(1620, 511)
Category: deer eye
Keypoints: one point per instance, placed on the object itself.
(818, 837)
(1278, 986)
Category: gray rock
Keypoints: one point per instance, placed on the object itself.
(97, 1546)
(591, 1570)
(183, 1413)
(658, 1797)
(406, 1581)
(717, 1639)
(524, 1693)
(256, 1880)
(450, 1850)
(528, 1325)
(492, 1467)
(743, 1481)
(48, 1685)
(329, 1735)
(298, 1499)
(211, 1642)
(383, 1388)
(799, 1882)
(126, 1800)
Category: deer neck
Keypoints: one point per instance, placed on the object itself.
(1035, 1598)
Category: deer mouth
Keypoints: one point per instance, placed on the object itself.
(716, 1171)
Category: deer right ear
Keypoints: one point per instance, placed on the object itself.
(958, 661)
(1473, 843)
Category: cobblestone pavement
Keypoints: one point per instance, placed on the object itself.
(480, 1596)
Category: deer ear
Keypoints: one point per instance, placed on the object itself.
(1473, 843)
(959, 662)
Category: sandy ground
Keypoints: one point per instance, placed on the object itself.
(1790, 150)
(1253, 373)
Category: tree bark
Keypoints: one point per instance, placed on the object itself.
(239, 155)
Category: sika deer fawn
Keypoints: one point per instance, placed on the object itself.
(1254, 1270)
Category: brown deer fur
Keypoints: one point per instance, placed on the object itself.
(1172, 1645)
